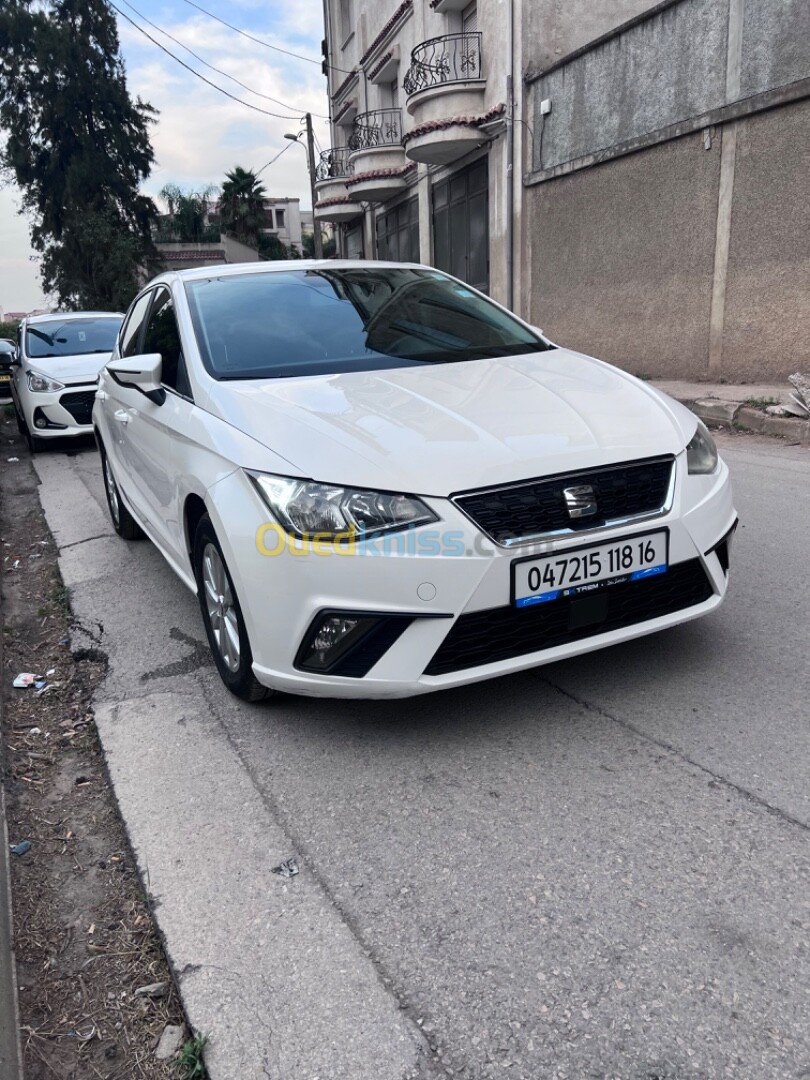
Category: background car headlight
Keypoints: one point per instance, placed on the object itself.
(41, 384)
(701, 453)
(304, 507)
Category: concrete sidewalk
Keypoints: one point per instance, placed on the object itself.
(739, 406)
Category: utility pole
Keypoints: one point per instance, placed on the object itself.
(311, 162)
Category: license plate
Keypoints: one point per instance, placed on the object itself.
(5, 378)
(541, 579)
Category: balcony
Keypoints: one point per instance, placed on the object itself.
(445, 91)
(331, 171)
(377, 156)
(334, 168)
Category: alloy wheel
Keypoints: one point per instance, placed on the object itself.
(220, 606)
(112, 493)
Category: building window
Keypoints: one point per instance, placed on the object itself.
(461, 225)
(469, 19)
(346, 27)
(279, 219)
(398, 233)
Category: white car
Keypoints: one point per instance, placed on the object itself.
(55, 372)
(380, 483)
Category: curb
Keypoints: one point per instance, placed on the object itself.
(735, 414)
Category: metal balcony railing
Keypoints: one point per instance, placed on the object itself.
(333, 164)
(448, 59)
(383, 127)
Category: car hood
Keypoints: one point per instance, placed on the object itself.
(69, 369)
(446, 428)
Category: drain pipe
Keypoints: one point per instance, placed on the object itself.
(510, 160)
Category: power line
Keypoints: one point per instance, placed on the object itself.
(266, 44)
(219, 71)
(272, 161)
(182, 63)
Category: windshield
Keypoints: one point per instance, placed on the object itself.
(73, 337)
(325, 321)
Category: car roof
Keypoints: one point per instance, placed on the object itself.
(66, 316)
(278, 265)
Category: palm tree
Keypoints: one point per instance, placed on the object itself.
(241, 205)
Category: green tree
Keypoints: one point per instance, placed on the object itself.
(308, 244)
(187, 219)
(241, 205)
(78, 148)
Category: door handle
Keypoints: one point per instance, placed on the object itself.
(122, 415)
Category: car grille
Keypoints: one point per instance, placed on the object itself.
(79, 405)
(510, 514)
(485, 637)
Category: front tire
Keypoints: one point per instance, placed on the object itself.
(122, 521)
(35, 444)
(222, 616)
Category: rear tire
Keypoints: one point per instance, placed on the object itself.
(122, 521)
(222, 616)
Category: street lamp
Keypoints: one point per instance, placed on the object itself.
(309, 150)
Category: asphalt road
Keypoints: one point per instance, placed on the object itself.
(595, 870)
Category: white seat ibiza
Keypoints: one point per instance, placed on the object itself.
(380, 483)
(55, 372)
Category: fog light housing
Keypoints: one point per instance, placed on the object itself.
(330, 636)
(42, 421)
(348, 643)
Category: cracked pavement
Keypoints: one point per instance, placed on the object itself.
(595, 869)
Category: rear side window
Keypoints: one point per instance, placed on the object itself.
(163, 336)
(131, 334)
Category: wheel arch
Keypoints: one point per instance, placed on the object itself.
(194, 509)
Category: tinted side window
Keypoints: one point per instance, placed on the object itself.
(163, 336)
(130, 335)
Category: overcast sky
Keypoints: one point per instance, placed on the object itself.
(200, 133)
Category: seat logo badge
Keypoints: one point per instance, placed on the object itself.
(580, 502)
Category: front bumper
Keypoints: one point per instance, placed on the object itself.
(455, 601)
(65, 412)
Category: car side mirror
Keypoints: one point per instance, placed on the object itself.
(15, 360)
(140, 373)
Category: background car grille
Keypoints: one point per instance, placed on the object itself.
(530, 509)
(484, 637)
(79, 405)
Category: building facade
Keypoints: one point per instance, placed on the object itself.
(417, 166)
(634, 177)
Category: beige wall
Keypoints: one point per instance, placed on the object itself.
(623, 257)
(556, 28)
(623, 254)
(767, 315)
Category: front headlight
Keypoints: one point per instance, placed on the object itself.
(304, 508)
(41, 384)
(701, 453)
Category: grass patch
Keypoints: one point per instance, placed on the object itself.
(191, 1057)
(8, 410)
(644, 376)
(760, 402)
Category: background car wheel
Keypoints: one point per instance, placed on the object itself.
(34, 444)
(123, 522)
(222, 615)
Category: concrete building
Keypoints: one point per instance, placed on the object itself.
(179, 255)
(632, 176)
(283, 219)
